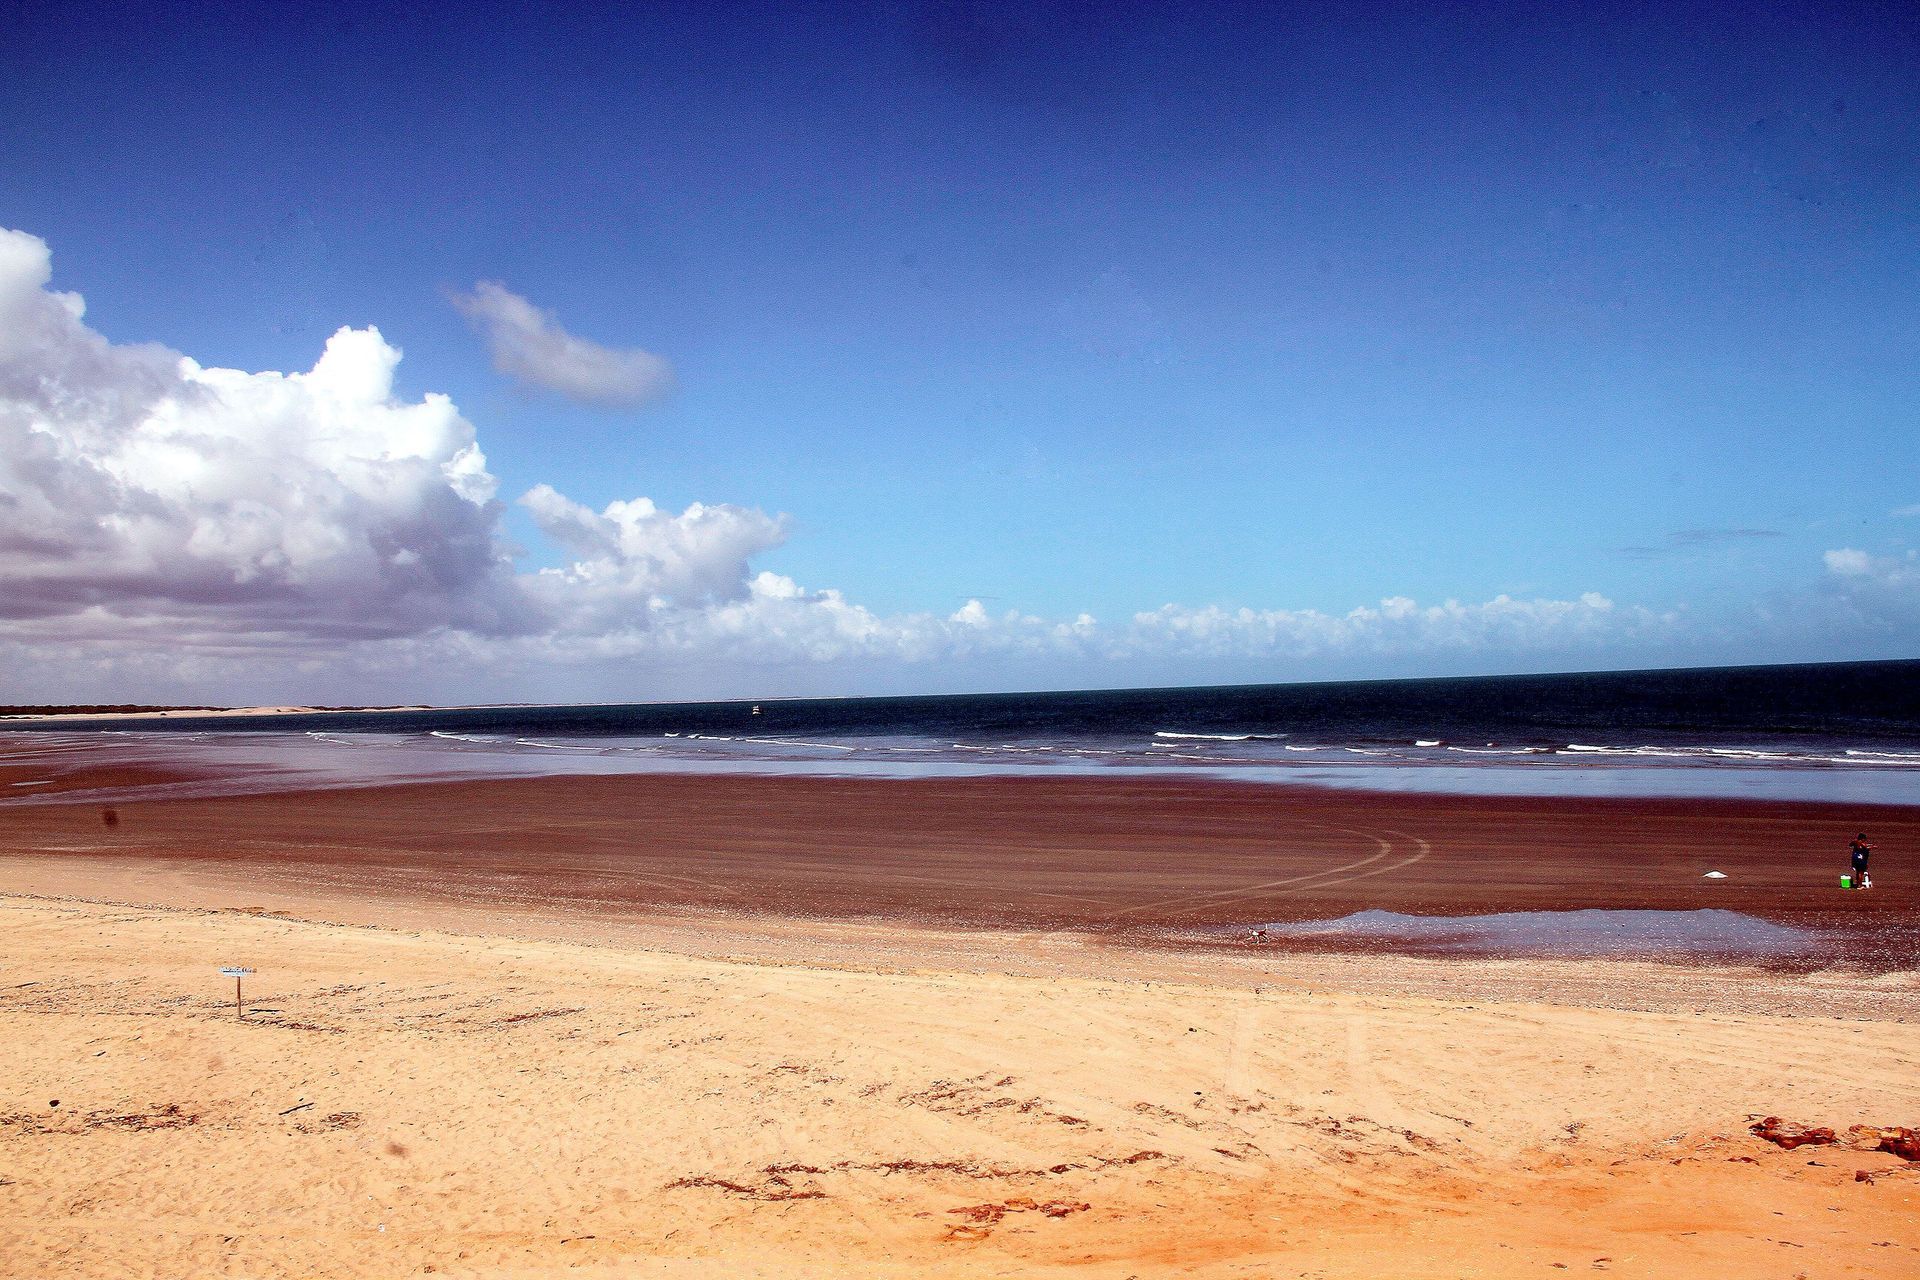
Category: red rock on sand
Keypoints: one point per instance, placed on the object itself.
(1900, 1141)
(1894, 1139)
(1786, 1135)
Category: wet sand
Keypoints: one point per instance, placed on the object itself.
(1131, 859)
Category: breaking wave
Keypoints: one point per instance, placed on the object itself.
(1221, 737)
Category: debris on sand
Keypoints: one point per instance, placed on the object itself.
(168, 1116)
(772, 1188)
(987, 1213)
(981, 1218)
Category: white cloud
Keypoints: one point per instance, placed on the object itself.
(147, 497)
(635, 559)
(199, 531)
(776, 620)
(527, 343)
(1849, 562)
(1396, 625)
(136, 483)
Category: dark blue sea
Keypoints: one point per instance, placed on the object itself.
(1839, 731)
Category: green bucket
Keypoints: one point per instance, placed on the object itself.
(1846, 881)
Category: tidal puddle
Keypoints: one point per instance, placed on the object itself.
(1593, 932)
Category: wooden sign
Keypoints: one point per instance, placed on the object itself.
(236, 972)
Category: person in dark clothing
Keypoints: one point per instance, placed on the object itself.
(1859, 850)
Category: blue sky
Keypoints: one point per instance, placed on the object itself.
(1077, 308)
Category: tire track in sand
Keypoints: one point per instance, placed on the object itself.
(1328, 878)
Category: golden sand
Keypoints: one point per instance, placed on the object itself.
(406, 1102)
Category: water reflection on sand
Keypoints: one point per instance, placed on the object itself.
(1592, 932)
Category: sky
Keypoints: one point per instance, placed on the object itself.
(474, 353)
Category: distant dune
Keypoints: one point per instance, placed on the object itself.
(115, 713)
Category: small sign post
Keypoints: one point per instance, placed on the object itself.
(236, 972)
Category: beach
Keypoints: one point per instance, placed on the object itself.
(696, 1025)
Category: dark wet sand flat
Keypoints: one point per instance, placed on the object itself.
(1128, 858)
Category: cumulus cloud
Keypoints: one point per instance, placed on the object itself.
(136, 483)
(528, 344)
(247, 528)
(636, 561)
(142, 493)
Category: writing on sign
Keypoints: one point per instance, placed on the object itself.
(235, 971)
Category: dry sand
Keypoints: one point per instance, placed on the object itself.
(406, 1102)
(483, 1078)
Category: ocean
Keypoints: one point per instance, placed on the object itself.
(1833, 731)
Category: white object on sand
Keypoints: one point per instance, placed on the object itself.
(1714, 875)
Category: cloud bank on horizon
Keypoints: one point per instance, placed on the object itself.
(164, 525)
